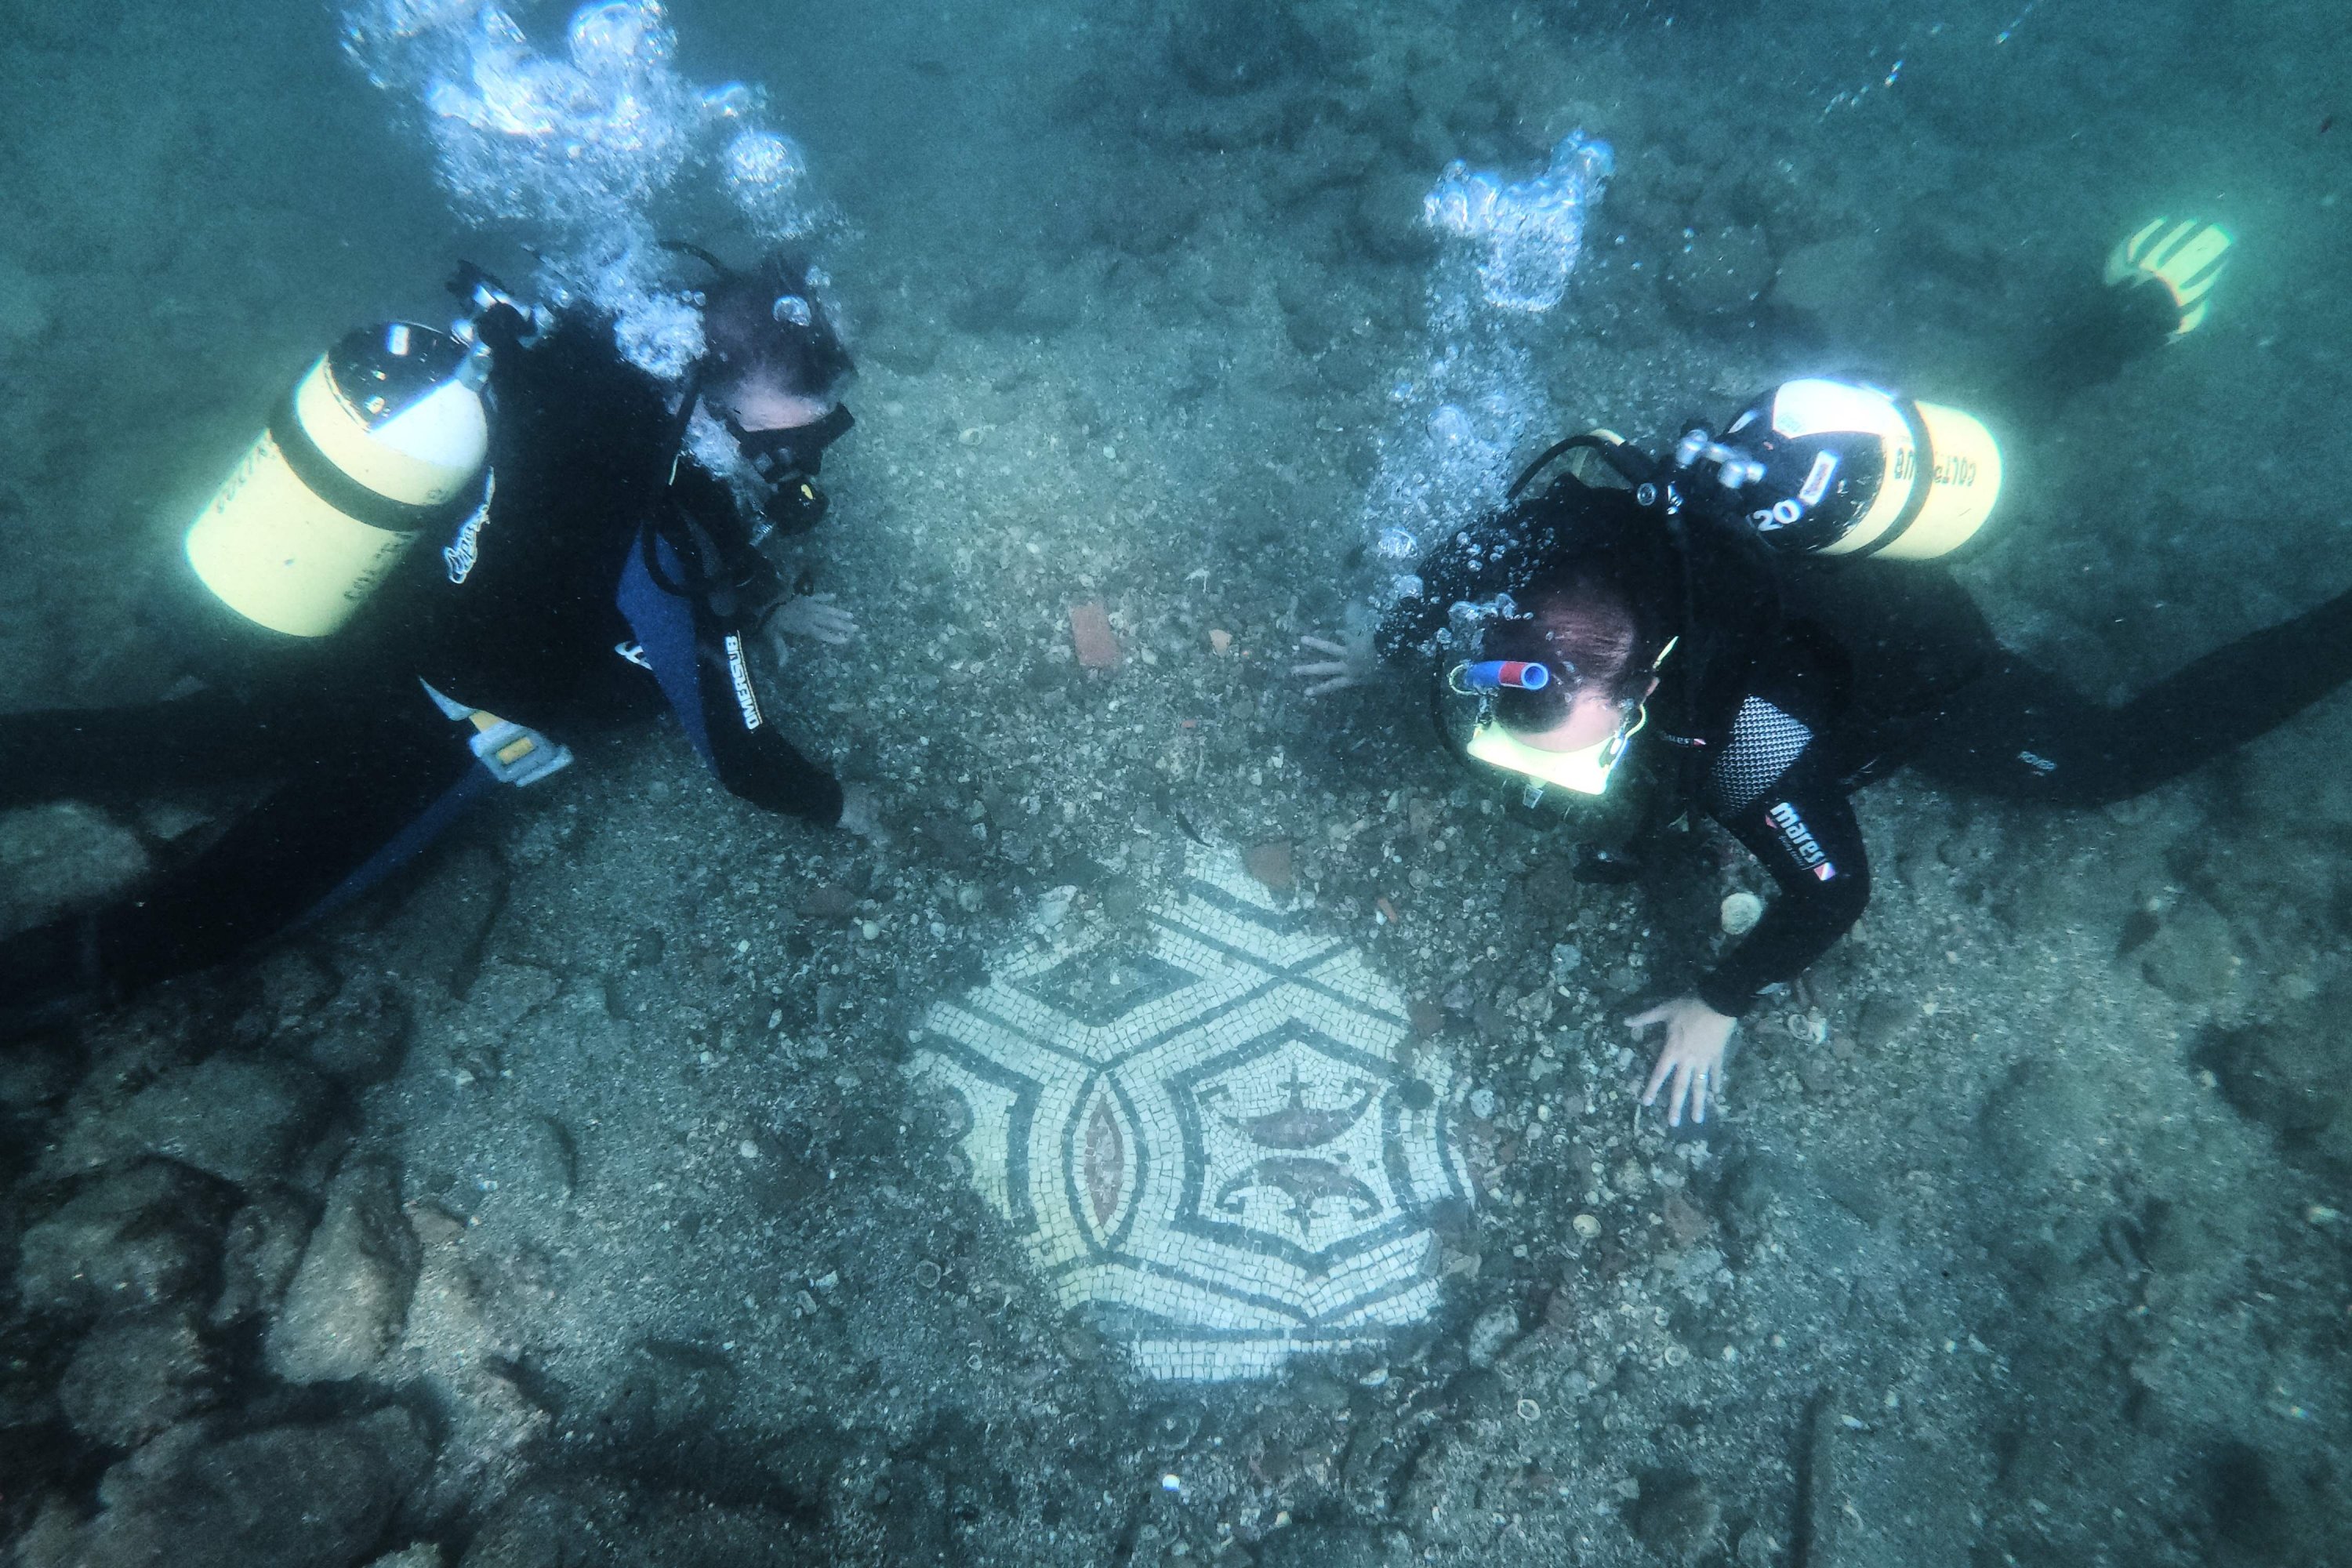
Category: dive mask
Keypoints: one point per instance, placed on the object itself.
(798, 448)
(1585, 771)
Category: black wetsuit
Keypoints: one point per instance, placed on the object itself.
(559, 610)
(1798, 680)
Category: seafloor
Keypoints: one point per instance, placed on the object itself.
(574, 1201)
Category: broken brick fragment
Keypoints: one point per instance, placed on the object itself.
(1090, 633)
(1270, 864)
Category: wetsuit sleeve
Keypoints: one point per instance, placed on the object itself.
(703, 666)
(1773, 790)
(747, 754)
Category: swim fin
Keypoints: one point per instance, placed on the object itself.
(2187, 259)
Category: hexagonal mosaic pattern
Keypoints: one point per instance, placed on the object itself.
(1217, 1137)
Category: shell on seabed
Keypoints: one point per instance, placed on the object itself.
(1740, 913)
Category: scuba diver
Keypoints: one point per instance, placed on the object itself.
(1762, 614)
(593, 555)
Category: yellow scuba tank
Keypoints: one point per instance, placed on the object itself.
(383, 438)
(1836, 467)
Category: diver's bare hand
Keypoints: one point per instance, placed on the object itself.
(1697, 1036)
(1352, 663)
(814, 616)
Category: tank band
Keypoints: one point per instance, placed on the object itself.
(346, 494)
(1923, 478)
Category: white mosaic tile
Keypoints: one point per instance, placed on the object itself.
(1219, 1144)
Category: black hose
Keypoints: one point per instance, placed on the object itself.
(1620, 456)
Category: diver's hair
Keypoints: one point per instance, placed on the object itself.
(1583, 629)
(747, 340)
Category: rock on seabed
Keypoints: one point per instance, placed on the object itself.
(350, 1296)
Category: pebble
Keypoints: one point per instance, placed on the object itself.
(749, 1150)
(1272, 866)
(1497, 1327)
(1090, 633)
(1587, 1226)
(827, 902)
(1172, 1427)
(869, 930)
(1740, 913)
(1483, 1104)
(1883, 1017)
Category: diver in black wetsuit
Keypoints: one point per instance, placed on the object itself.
(1793, 683)
(1772, 683)
(611, 565)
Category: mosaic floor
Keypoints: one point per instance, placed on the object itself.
(1214, 1132)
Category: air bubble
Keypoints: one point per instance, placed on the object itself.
(1529, 232)
(583, 147)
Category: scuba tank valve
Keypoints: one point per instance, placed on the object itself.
(1820, 467)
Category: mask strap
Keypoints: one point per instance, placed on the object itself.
(1622, 740)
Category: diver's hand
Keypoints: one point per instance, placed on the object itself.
(1352, 663)
(1693, 1056)
(814, 616)
(861, 814)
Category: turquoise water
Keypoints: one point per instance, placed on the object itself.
(596, 1194)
